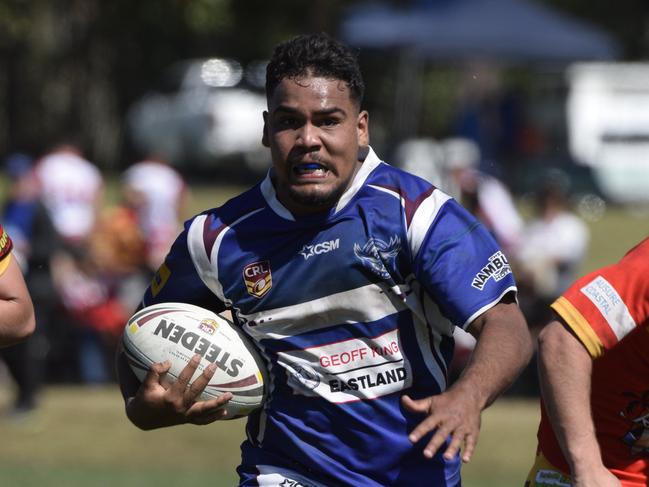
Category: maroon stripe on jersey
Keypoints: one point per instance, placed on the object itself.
(410, 205)
(210, 232)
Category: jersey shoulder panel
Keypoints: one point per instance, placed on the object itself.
(187, 274)
(454, 257)
(420, 200)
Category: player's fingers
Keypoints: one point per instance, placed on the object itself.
(199, 384)
(211, 404)
(454, 446)
(415, 406)
(186, 374)
(427, 425)
(157, 372)
(470, 442)
(436, 441)
(212, 408)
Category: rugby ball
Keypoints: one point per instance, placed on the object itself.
(178, 331)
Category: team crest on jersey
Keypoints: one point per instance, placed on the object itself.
(304, 376)
(258, 278)
(376, 253)
(497, 268)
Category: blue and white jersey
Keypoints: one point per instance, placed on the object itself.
(351, 309)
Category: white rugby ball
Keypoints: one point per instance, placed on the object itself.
(178, 331)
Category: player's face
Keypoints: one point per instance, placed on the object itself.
(314, 130)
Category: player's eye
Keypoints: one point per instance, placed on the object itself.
(287, 122)
(329, 122)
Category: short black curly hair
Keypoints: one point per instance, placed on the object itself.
(315, 55)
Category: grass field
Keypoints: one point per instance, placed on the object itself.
(80, 437)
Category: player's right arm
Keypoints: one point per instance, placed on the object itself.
(150, 404)
(565, 369)
(17, 320)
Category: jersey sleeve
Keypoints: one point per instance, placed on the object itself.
(5, 250)
(608, 304)
(461, 266)
(178, 280)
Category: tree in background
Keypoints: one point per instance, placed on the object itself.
(76, 65)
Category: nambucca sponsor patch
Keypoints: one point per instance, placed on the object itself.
(497, 268)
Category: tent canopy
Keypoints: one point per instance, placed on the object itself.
(507, 30)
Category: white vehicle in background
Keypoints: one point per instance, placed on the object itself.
(608, 126)
(210, 112)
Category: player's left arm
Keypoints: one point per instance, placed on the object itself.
(504, 347)
(565, 369)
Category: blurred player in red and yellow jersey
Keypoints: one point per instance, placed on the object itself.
(16, 309)
(594, 369)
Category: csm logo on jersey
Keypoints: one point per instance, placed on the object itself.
(497, 268)
(319, 248)
(258, 278)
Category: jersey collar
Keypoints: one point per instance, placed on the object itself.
(268, 190)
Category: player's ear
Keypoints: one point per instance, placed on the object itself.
(363, 129)
(264, 136)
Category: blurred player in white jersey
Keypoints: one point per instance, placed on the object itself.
(72, 189)
(158, 193)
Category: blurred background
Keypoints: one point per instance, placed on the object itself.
(119, 120)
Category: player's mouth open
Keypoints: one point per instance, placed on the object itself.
(310, 169)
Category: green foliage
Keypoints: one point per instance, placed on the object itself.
(207, 16)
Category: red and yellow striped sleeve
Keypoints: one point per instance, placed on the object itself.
(606, 305)
(576, 321)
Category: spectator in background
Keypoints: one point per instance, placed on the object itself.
(553, 247)
(35, 243)
(158, 194)
(551, 251)
(72, 189)
(100, 285)
(482, 194)
(424, 157)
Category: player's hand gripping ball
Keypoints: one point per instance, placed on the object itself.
(178, 331)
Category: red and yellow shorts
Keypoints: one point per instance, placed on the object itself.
(544, 474)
